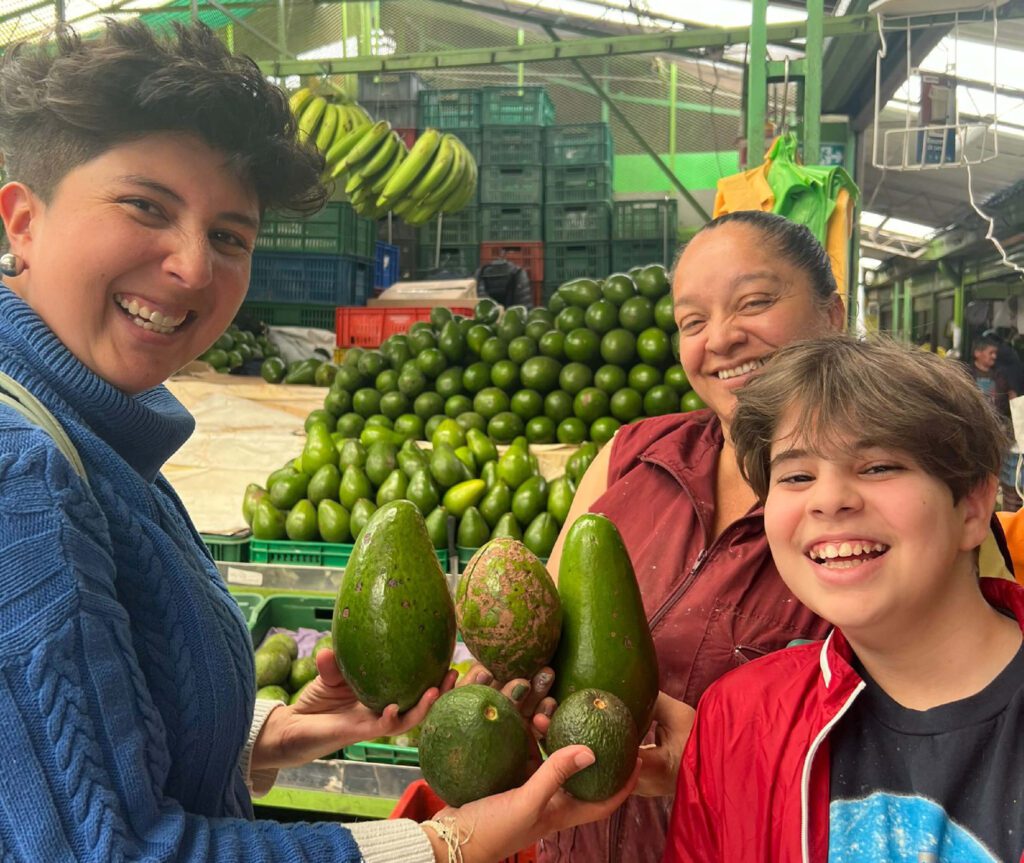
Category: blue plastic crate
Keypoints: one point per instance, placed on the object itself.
(339, 280)
(386, 268)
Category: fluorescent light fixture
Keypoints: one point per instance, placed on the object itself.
(915, 230)
(871, 220)
(871, 263)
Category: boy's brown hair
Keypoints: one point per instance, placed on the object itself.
(876, 393)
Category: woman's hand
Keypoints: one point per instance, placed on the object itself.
(328, 716)
(497, 827)
(530, 696)
(661, 759)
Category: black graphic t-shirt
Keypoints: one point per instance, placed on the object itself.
(944, 785)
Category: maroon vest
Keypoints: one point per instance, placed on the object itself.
(712, 605)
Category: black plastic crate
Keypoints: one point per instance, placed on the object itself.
(388, 87)
(646, 220)
(319, 317)
(581, 144)
(577, 183)
(334, 230)
(511, 184)
(450, 109)
(403, 114)
(457, 229)
(564, 261)
(340, 280)
(511, 222)
(513, 145)
(639, 253)
(517, 106)
(578, 223)
(454, 260)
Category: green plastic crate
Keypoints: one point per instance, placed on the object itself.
(332, 554)
(578, 184)
(383, 753)
(511, 184)
(450, 109)
(586, 222)
(457, 229)
(522, 222)
(229, 549)
(250, 604)
(335, 230)
(580, 144)
(292, 314)
(517, 106)
(646, 220)
(513, 145)
(292, 611)
(565, 261)
(635, 253)
(455, 259)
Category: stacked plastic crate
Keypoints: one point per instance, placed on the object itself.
(458, 112)
(512, 178)
(645, 233)
(302, 268)
(578, 203)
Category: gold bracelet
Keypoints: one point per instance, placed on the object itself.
(448, 831)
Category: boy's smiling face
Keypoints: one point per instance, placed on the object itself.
(865, 537)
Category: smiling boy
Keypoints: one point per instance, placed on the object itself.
(898, 739)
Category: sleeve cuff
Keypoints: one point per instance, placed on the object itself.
(398, 841)
(259, 782)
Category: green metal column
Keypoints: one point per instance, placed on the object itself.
(813, 49)
(520, 68)
(673, 83)
(897, 307)
(282, 30)
(757, 81)
(959, 294)
(908, 312)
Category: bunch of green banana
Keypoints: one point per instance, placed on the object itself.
(326, 124)
(438, 176)
(363, 161)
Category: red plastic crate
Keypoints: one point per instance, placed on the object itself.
(359, 326)
(529, 256)
(420, 803)
(408, 136)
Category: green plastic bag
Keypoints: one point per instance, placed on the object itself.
(805, 193)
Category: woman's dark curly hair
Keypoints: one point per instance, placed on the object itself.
(64, 103)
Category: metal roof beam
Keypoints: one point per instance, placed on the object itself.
(575, 49)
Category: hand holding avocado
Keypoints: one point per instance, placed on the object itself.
(502, 824)
(328, 716)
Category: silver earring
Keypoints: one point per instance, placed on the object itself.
(11, 265)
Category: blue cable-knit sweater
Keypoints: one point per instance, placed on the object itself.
(126, 672)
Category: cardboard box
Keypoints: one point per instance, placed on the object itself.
(450, 292)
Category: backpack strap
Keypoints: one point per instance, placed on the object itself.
(14, 395)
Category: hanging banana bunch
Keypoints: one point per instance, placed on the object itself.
(438, 175)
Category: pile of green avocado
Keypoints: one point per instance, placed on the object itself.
(601, 353)
(394, 629)
(234, 346)
(329, 492)
(281, 674)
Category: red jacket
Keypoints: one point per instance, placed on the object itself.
(713, 604)
(754, 781)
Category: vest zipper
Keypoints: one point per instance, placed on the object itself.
(691, 576)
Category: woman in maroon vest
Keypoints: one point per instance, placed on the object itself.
(747, 284)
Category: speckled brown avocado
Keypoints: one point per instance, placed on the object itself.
(508, 610)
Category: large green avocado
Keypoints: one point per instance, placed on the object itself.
(508, 610)
(394, 623)
(473, 743)
(601, 721)
(606, 642)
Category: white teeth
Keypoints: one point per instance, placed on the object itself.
(133, 307)
(830, 551)
(740, 370)
(845, 550)
(154, 320)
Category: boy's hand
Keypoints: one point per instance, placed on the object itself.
(328, 717)
(661, 759)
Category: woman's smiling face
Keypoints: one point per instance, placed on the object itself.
(737, 301)
(141, 258)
